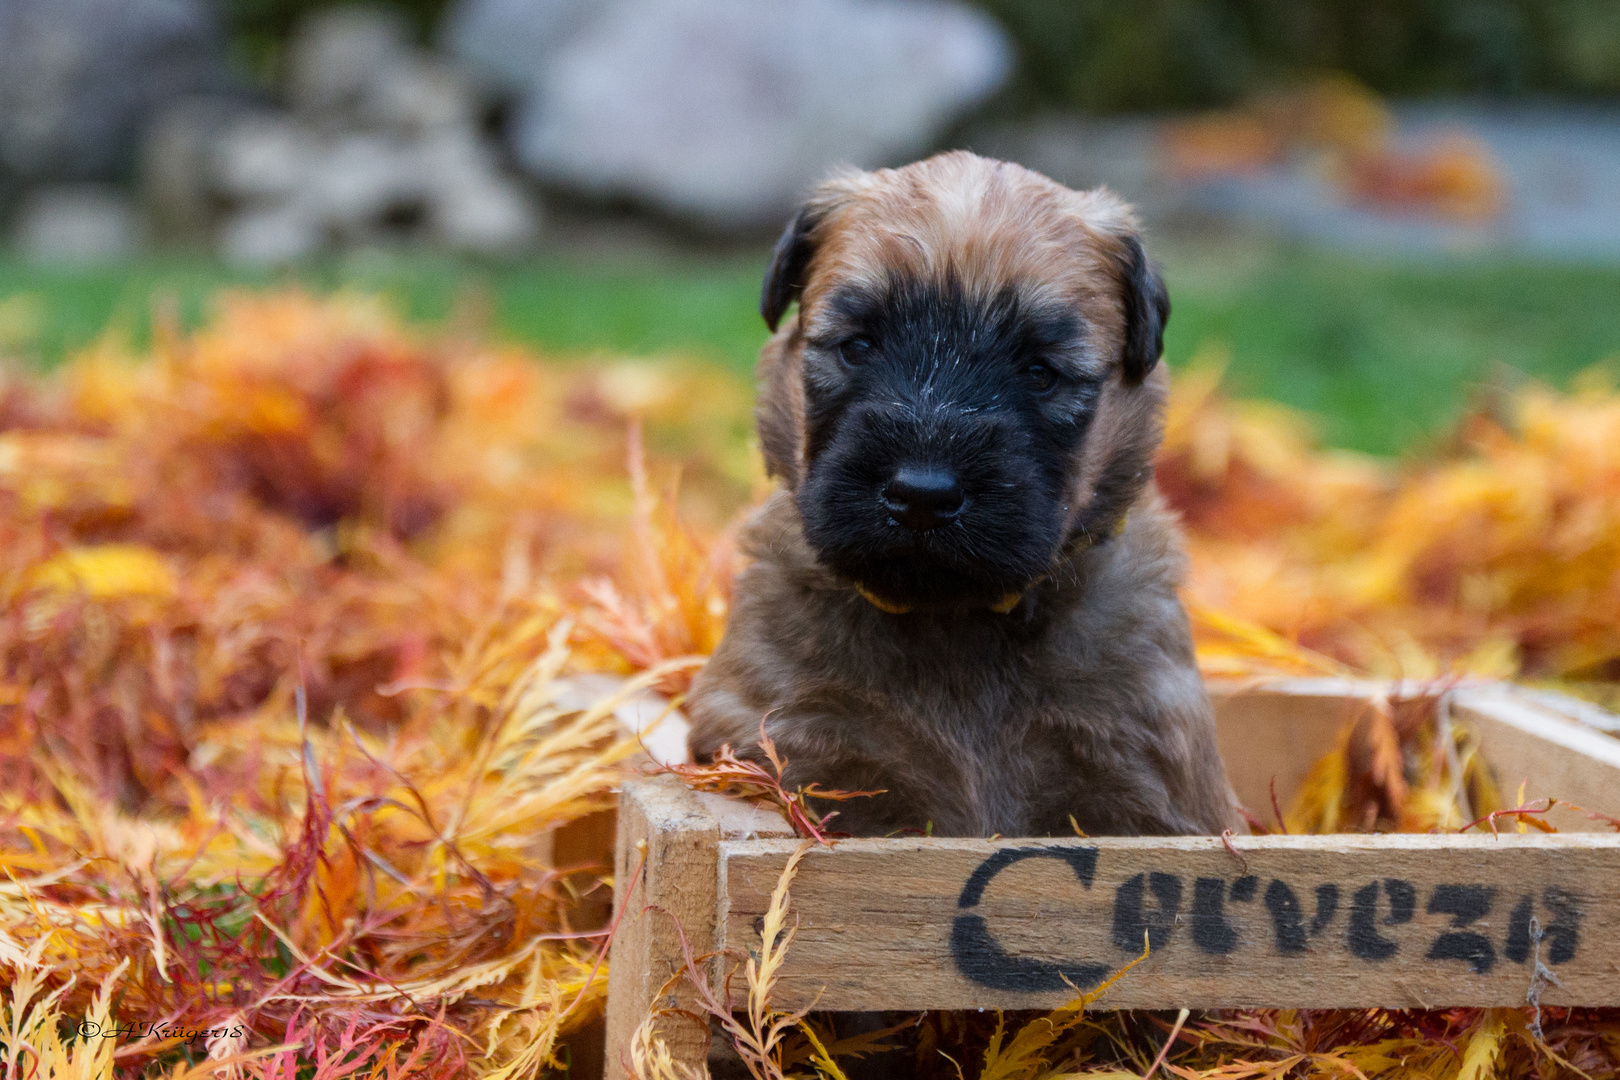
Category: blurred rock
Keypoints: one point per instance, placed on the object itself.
(365, 185)
(506, 44)
(354, 67)
(77, 223)
(262, 156)
(381, 147)
(727, 110)
(420, 97)
(488, 218)
(338, 55)
(476, 208)
(176, 167)
(1121, 154)
(364, 189)
(79, 77)
(271, 235)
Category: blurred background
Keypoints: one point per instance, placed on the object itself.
(1375, 210)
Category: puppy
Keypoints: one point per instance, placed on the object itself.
(965, 593)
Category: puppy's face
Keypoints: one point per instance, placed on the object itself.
(967, 387)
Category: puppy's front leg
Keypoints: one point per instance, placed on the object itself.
(834, 752)
(719, 717)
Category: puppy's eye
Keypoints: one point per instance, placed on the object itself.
(1042, 378)
(856, 351)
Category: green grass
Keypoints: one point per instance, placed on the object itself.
(1385, 353)
(701, 306)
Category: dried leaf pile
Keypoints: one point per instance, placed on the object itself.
(285, 607)
(1345, 133)
(1499, 556)
(294, 610)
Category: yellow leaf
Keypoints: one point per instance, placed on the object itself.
(107, 572)
(1479, 1058)
(823, 1060)
(1318, 803)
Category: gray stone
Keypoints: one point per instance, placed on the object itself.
(176, 170)
(263, 156)
(337, 56)
(78, 78)
(505, 44)
(77, 223)
(1122, 154)
(367, 188)
(271, 235)
(381, 147)
(726, 110)
(419, 97)
(354, 68)
(472, 205)
(493, 217)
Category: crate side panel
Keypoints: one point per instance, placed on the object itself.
(1551, 755)
(1275, 732)
(1310, 922)
(665, 872)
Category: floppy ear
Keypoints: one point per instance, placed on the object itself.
(785, 279)
(1147, 309)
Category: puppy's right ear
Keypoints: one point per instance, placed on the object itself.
(785, 279)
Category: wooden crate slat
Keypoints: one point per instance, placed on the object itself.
(1313, 922)
(668, 834)
(1553, 756)
(1277, 730)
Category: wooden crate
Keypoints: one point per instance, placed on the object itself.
(1343, 921)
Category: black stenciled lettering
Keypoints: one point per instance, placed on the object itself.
(1560, 936)
(1243, 889)
(1465, 904)
(1327, 906)
(1287, 918)
(1082, 860)
(1132, 920)
(1363, 936)
(980, 957)
(1402, 901)
(1517, 946)
(1210, 930)
(1563, 932)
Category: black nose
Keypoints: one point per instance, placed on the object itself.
(923, 498)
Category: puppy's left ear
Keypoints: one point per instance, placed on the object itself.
(1147, 310)
(785, 279)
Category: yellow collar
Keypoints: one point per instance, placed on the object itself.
(881, 604)
(889, 607)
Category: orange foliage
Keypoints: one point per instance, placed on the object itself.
(1500, 557)
(1345, 127)
(288, 605)
(1454, 177)
(303, 510)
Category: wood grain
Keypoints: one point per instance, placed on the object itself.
(1551, 755)
(667, 834)
(1274, 731)
(1277, 730)
(1310, 922)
